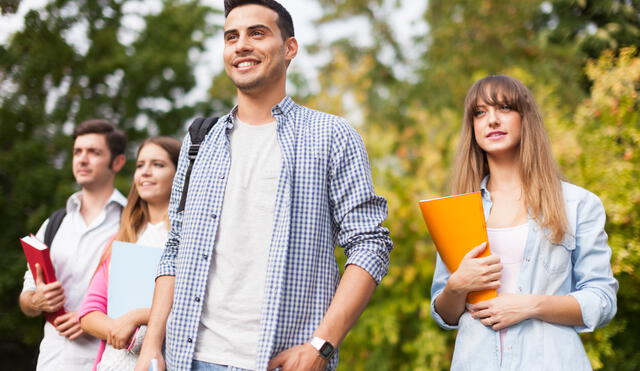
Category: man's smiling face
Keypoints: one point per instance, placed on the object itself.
(255, 55)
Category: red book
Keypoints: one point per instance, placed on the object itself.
(37, 252)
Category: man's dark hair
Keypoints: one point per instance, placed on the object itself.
(285, 23)
(116, 138)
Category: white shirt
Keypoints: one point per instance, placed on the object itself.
(154, 235)
(75, 253)
(230, 324)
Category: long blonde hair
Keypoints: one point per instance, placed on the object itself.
(135, 215)
(539, 173)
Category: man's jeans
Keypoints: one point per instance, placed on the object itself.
(205, 366)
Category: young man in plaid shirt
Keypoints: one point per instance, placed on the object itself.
(249, 280)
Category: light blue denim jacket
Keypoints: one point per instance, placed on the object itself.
(578, 266)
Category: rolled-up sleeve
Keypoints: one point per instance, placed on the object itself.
(167, 266)
(357, 211)
(96, 298)
(440, 278)
(595, 286)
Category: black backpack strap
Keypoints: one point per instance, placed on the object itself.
(54, 224)
(198, 130)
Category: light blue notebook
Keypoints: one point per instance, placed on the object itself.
(132, 275)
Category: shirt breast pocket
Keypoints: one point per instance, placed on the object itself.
(556, 257)
(266, 188)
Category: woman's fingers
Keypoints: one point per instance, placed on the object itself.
(496, 267)
(488, 321)
(476, 251)
(480, 314)
(492, 277)
(489, 260)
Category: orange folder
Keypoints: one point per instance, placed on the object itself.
(457, 225)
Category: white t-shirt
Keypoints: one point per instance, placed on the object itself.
(230, 323)
(75, 253)
(154, 235)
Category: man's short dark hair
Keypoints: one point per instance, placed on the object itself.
(116, 138)
(285, 23)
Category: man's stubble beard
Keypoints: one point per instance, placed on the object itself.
(249, 86)
(254, 85)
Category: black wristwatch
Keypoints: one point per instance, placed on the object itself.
(325, 348)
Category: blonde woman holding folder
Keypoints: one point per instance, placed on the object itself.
(145, 222)
(550, 258)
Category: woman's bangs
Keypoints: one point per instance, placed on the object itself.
(497, 91)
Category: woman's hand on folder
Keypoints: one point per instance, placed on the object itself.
(473, 274)
(120, 334)
(476, 274)
(47, 297)
(123, 327)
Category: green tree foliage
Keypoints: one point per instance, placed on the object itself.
(594, 25)
(76, 60)
(9, 6)
(607, 162)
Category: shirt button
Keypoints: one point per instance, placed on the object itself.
(197, 299)
(213, 216)
(189, 340)
(221, 176)
(205, 256)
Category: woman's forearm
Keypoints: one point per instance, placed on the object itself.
(96, 324)
(139, 316)
(99, 324)
(450, 304)
(563, 310)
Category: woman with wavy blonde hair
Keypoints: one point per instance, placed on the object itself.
(144, 221)
(550, 260)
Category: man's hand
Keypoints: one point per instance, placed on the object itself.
(68, 325)
(298, 358)
(46, 297)
(504, 311)
(121, 331)
(152, 344)
(144, 360)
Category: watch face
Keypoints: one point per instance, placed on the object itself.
(326, 350)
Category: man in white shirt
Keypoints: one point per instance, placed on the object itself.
(92, 218)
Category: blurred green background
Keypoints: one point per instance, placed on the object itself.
(405, 96)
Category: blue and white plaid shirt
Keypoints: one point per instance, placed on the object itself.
(325, 198)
